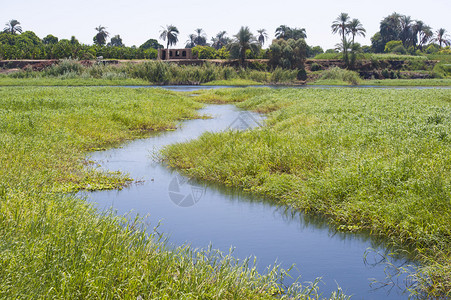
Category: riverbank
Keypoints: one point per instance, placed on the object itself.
(367, 159)
(56, 245)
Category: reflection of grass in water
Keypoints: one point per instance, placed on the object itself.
(55, 245)
(367, 159)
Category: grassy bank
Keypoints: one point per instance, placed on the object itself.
(54, 245)
(408, 82)
(368, 159)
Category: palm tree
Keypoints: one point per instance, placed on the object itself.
(201, 37)
(341, 25)
(283, 32)
(170, 33)
(422, 32)
(298, 33)
(262, 36)
(100, 37)
(243, 41)
(356, 28)
(441, 37)
(13, 26)
(407, 34)
(220, 40)
(191, 42)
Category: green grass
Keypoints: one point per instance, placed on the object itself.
(366, 159)
(54, 245)
(408, 82)
(48, 81)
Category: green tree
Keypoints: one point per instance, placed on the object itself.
(169, 34)
(441, 37)
(262, 36)
(116, 41)
(151, 43)
(285, 32)
(356, 28)
(341, 26)
(243, 40)
(13, 26)
(220, 40)
(201, 37)
(190, 43)
(288, 54)
(50, 40)
(101, 36)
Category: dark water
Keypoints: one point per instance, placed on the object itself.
(199, 214)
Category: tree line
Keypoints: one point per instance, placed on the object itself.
(398, 33)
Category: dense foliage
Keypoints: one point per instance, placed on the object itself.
(29, 46)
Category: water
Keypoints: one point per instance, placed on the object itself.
(198, 214)
(192, 88)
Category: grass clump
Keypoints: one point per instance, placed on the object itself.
(367, 159)
(336, 75)
(55, 245)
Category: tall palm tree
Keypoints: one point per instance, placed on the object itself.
(390, 27)
(262, 36)
(407, 35)
(170, 33)
(441, 37)
(283, 32)
(422, 32)
(298, 33)
(13, 26)
(100, 37)
(356, 28)
(341, 25)
(243, 41)
(220, 40)
(191, 42)
(201, 37)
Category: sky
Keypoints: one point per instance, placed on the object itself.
(137, 21)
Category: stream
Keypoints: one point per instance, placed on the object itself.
(200, 214)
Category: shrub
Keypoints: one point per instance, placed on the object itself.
(340, 74)
(399, 50)
(315, 67)
(63, 67)
(392, 45)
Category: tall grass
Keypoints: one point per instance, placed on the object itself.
(367, 159)
(154, 72)
(54, 245)
(341, 75)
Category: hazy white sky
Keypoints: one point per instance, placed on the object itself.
(136, 21)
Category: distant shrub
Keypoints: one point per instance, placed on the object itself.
(315, 67)
(340, 74)
(63, 67)
(204, 52)
(389, 46)
(301, 75)
(399, 50)
(281, 75)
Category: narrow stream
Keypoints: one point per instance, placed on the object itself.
(198, 214)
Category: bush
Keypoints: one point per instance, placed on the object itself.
(63, 67)
(389, 46)
(343, 75)
(399, 50)
(315, 67)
